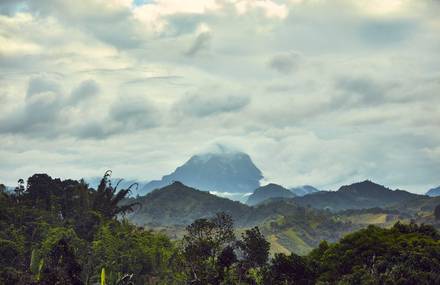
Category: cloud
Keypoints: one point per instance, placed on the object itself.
(211, 101)
(285, 63)
(134, 113)
(201, 43)
(40, 85)
(124, 32)
(9, 7)
(126, 115)
(317, 92)
(360, 91)
(381, 32)
(38, 112)
(86, 90)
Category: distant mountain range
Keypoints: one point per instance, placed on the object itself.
(181, 204)
(178, 204)
(291, 224)
(434, 192)
(232, 174)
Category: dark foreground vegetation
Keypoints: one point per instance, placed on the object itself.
(63, 232)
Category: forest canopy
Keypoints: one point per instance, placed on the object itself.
(56, 231)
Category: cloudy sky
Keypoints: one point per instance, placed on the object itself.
(321, 92)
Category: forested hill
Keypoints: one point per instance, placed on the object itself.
(178, 204)
(360, 195)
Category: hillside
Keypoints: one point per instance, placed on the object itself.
(359, 195)
(178, 204)
(421, 203)
(222, 171)
(288, 226)
(268, 191)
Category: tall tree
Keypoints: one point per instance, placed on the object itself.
(255, 248)
(204, 243)
(107, 199)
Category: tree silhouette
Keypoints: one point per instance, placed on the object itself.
(107, 200)
(437, 212)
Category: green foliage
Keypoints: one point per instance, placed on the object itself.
(404, 254)
(255, 248)
(204, 248)
(121, 247)
(107, 200)
(212, 255)
(290, 269)
(62, 232)
(62, 266)
(103, 276)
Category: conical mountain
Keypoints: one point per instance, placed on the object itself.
(220, 171)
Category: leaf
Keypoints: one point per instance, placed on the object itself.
(40, 268)
(103, 276)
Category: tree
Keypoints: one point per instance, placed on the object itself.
(255, 254)
(205, 246)
(255, 248)
(61, 266)
(19, 190)
(289, 269)
(107, 200)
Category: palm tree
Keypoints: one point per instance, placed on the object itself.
(107, 200)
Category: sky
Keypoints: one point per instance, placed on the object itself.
(320, 92)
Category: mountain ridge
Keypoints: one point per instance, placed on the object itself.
(359, 195)
(433, 192)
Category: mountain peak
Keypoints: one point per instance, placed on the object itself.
(364, 186)
(303, 190)
(269, 191)
(223, 170)
(177, 184)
